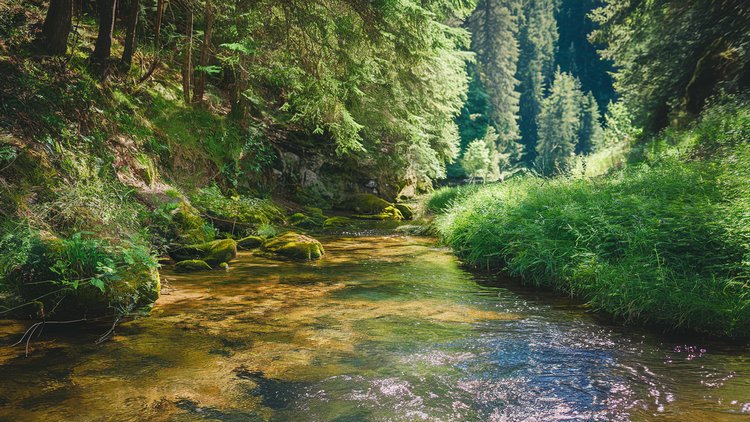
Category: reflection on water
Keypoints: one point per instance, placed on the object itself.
(384, 328)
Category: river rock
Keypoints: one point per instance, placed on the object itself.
(338, 222)
(191, 265)
(250, 242)
(295, 246)
(214, 253)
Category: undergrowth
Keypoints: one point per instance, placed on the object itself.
(666, 241)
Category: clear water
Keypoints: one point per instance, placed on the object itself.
(384, 328)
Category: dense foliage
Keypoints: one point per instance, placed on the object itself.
(672, 55)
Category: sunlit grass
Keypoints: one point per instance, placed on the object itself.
(664, 242)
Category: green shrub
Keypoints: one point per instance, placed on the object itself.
(15, 243)
(82, 276)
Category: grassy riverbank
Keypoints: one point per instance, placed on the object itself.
(665, 241)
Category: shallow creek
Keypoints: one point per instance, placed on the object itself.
(384, 328)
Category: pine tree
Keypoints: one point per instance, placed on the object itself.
(494, 25)
(590, 133)
(537, 39)
(577, 55)
(476, 160)
(559, 125)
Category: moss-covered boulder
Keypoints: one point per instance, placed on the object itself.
(389, 213)
(191, 265)
(214, 253)
(250, 242)
(338, 222)
(295, 246)
(405, 210)
(304, 221)
(365, 203)
(84, 278)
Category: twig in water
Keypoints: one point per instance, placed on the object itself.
(109, 332)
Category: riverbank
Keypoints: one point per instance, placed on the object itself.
(664, 241)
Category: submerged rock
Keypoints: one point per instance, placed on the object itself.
(250, 242)
(214, 253)
(413, 229)
(192, 265)
(338, 222)
(295, 246)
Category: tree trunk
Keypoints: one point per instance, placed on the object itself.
(187, 65)
(57, 26)
(132, 16)
(159, 15)
(103, 48)
(200, 75)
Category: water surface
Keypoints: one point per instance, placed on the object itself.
(384, 328)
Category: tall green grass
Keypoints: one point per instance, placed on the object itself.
(665, 243)
(442, 199)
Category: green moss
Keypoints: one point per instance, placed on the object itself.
(189, 227)
(213, 253)
(365, 203)
(307, 221)
(405, 210)
(389, 213)
(250, 242)
(338, 222)
(295, 246)
(191, 265)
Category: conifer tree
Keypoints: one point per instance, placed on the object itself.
(476, 160)
(537, 39)
(559, 124)
(590, 133)
(494, 25)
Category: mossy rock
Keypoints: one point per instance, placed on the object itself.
(295, 246)
(405, 210)
(366, 203)
(133, 289)
(338, 222)
(305, 222)
(188, 226)
(250, 242)
(214, 253)
(314, 212)
(389, 213)
(191, 265)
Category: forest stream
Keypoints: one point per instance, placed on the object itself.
(386, 327)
